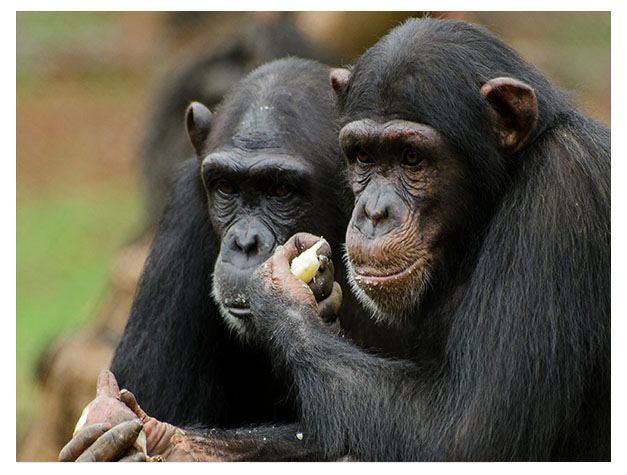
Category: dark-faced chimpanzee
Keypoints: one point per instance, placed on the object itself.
(481, 227)
(268, 167)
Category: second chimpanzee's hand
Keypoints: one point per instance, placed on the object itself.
(107, 430)
(274, 289)
(111, 425)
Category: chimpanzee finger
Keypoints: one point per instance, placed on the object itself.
(330, 307)
(79, 443)
(129, 399)
(322, 284)
(107, 384)
(113, 443)
(300, 242)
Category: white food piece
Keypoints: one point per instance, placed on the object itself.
(81, 420)
(140, 442)
(305, 265)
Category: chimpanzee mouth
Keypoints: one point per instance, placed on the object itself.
(239, 311)
(371, 276)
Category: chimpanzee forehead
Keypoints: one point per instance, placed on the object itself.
(417, 89)
(257, 128)
(398, 98)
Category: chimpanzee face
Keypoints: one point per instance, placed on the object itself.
(270, 165)
(416, 168)
(257, 200)
(410, 197)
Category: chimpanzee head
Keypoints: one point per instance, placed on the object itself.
(270, 163)
(436, 117)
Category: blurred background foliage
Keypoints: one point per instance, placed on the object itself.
(85, 85)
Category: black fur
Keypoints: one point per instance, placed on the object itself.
(510, 355)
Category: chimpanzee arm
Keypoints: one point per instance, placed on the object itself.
(156, 356)
(167, 443)
(470, 406)
(281, 443)
(351, 402)
(113, 427)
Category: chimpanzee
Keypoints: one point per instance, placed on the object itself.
(268, 166)
(481, 226)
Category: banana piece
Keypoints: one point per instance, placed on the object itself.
(140, 442)
(305, 265)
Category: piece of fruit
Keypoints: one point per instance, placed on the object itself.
(305, 265)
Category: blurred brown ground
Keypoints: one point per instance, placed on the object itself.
(71, 132)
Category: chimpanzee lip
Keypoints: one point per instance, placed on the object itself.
(366, 276)
(239, 311)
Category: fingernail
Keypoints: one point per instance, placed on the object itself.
(137, 424)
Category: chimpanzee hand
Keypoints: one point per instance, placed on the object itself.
(274, 289)
(114, 428)
(107, 429)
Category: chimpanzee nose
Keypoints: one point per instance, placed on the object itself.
(378, 205)
(377, 212)
(247, 242)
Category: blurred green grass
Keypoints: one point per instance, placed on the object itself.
(65, 245)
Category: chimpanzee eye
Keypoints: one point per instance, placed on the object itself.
(226, 188)
(280, 190)
(411, 157)
(362, 156)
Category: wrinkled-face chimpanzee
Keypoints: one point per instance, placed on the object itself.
(268, 172)
(481, 228)
(268, 165)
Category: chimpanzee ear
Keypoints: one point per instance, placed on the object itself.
(339, 81)
(515, 111)
(198, 124)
